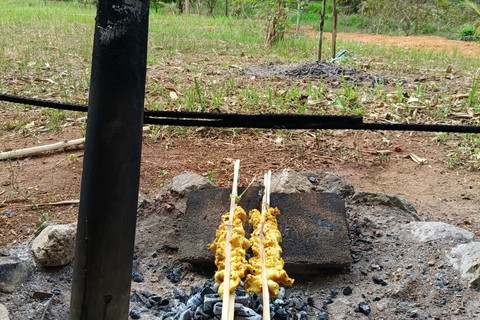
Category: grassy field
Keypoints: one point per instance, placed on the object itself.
(196, 63)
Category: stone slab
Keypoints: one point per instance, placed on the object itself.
(313, 226)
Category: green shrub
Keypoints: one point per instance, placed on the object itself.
(467, 31)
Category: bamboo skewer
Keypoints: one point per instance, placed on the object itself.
(228, 304)
(265, 207)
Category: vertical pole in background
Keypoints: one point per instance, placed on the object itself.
(111, 170)
(226, 8)
(187, 6)
(334, 28)
(320, 28)
(299, 8)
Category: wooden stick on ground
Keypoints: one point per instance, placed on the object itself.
(265, 207)
(228, 305)
(27, 151)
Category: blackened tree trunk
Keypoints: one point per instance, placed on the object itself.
(180, 6)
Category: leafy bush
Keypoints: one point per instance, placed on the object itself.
(467, 31)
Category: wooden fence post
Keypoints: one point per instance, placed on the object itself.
(111, 171)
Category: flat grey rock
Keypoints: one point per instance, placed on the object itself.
(384, 199)
(187, 182)
(313, 226)
(435, 231)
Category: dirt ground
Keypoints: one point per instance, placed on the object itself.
(434, 43)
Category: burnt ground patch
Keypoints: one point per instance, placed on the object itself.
(333, 74)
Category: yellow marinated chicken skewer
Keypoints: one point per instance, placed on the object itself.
(230, 246)
(238, 245)
(267, 248)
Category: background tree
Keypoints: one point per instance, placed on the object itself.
(211, 4)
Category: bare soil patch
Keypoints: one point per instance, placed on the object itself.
(434, 43)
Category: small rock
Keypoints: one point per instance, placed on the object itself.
(347, 291)
(413, 313)
(57, 292)
(142, 200)
(175, 275)
(466, 258)
(187, 181)
(334, 183)
(135, 314)
(432, 262)
(364, 308)
(13, 272)
(138, 277)
(289, 181)
(4, 312)
(378, 280)
(322, 315)
(55, 245)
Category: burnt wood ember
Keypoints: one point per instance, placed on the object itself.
(204, 304)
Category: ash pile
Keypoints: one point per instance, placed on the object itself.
(205, 304)
(311, 69)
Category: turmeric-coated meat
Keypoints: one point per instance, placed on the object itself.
(239, 244)
(273, 260)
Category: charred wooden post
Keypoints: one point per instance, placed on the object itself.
(111, 171)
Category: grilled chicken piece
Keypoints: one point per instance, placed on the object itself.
(239, 244)
(273, 260)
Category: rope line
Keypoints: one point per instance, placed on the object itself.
(261, 121)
